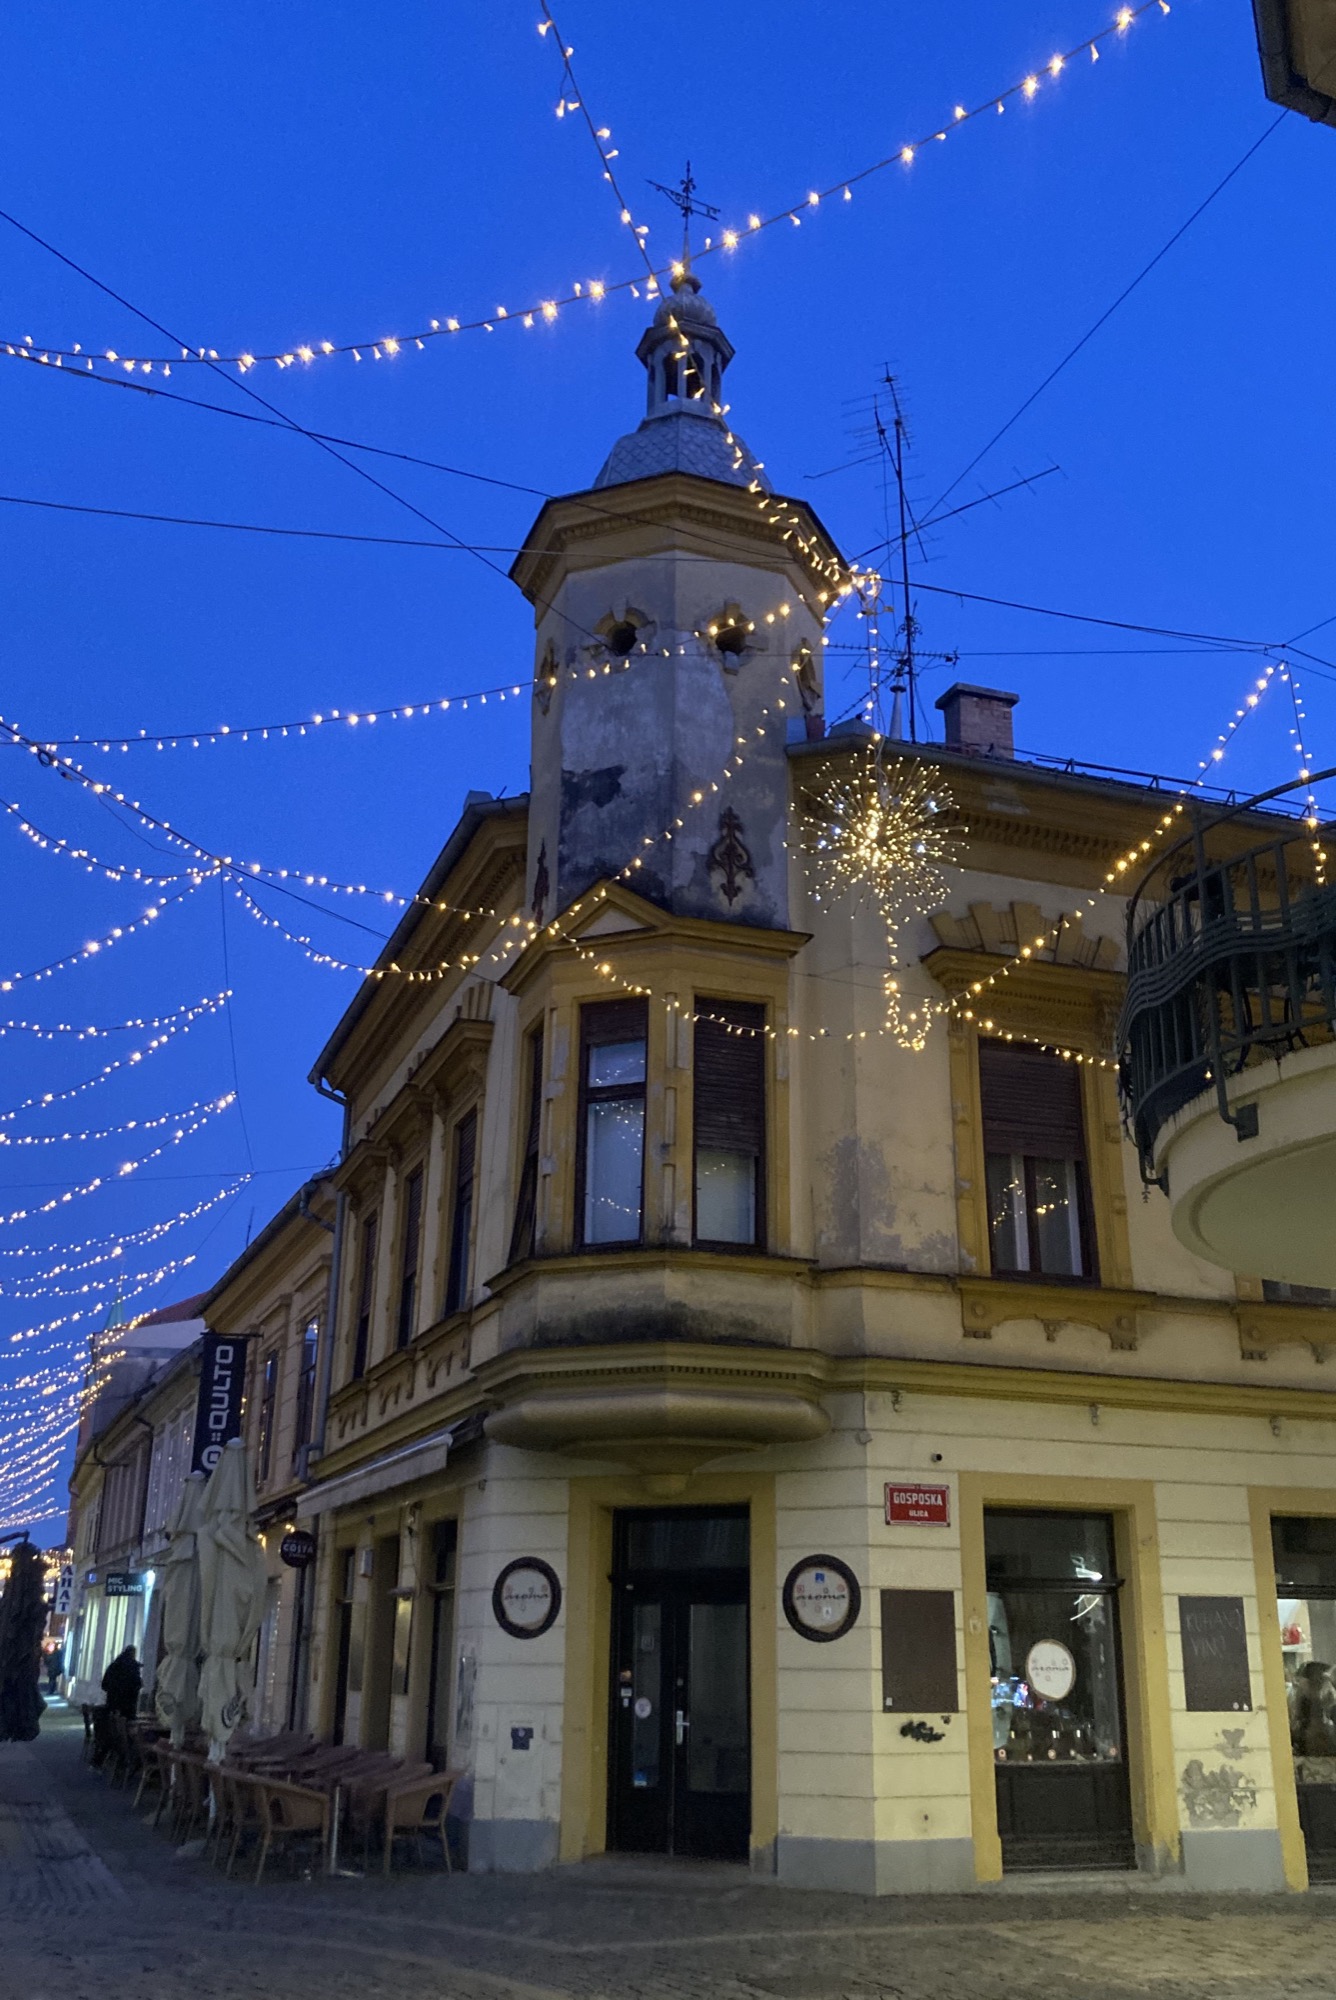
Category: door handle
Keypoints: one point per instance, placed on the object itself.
(683, 1724)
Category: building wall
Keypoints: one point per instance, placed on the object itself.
(842, 1796)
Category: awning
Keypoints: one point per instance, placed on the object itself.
(380, 1475)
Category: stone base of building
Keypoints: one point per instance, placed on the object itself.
(875, 1867)
(511, 1846)
(1229, 1859)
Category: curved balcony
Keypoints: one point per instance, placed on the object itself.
(1228, 1040)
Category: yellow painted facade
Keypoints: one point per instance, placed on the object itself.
(494, 1390)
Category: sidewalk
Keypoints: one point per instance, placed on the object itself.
(94, 1905)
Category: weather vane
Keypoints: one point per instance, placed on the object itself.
(684, 201)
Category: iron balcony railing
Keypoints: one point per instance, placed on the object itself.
(1231, 961)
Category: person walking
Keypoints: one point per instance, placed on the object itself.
(54, 1663)
(121, 1684)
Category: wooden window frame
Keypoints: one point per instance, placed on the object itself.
(463, 1214)
(266, 1421)
(414, 1186)
(307, 1370)
(591, 1013)
(364, 1299)
(704, 1008)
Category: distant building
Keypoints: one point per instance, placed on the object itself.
(132, 1456)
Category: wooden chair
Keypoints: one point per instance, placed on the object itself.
(286, 1813)
(192, 1784)
(419, 1805)
(240, 1811)
(154, 1769)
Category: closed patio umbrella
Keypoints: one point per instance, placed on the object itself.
(22, 1621)
(176, 1688)
(233, 1576)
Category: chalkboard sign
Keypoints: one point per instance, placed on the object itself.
(918, 1651)
(1215, 1653)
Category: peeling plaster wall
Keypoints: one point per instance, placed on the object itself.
(618, 755)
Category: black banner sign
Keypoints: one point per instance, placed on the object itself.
(297, 1548)
(124, 1583)
(222, 1381)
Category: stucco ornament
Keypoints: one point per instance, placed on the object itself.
(879, 834)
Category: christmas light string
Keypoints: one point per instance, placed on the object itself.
(1297, 733)
(96, 946)
(140, 1279)
(127, 1125)
(90, 356)
(48, 748)
(54, 844)
(265, 732)
(181, 1024)
(115, 1246)
(124, 1170)
(600, 135)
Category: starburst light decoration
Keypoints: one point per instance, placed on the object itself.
(879, 835)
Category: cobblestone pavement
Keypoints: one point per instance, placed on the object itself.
(94, 1905)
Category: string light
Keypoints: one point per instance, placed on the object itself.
(96, 946)
(181, 1023)
(91, 357)
(880, 834)
(53, 844)
(107, 1132)
(269, 732)
(117, 1282)
(116, 1245)
(122, 1172)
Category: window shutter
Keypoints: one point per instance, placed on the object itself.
(1031, 1102)
(729, 1076)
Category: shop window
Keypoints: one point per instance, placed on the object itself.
(461, 1213)
(264, 1441)
(305, 1411)
(408, 1258)
(610, 1165)
(1034, 1145)
(729, 1122)
(526, 1206)
(366, 1286)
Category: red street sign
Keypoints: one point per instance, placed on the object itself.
(919, 1503)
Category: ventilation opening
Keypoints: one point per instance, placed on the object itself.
(622, 639)
(732, 640)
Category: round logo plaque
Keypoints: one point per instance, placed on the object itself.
(1050, 1669)
(297, 1548)
(526, 1598)
(822, 1599)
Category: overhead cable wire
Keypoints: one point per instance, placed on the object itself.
(1110, 310)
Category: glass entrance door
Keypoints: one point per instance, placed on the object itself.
(680, 1764)
(1058, 1734)
(1305, 1556)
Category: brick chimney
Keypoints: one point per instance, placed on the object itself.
(978, 720)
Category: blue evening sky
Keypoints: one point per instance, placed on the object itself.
(260, 178)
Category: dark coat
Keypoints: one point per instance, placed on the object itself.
(121, 1684)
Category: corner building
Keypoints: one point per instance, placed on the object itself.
(736, 1432)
